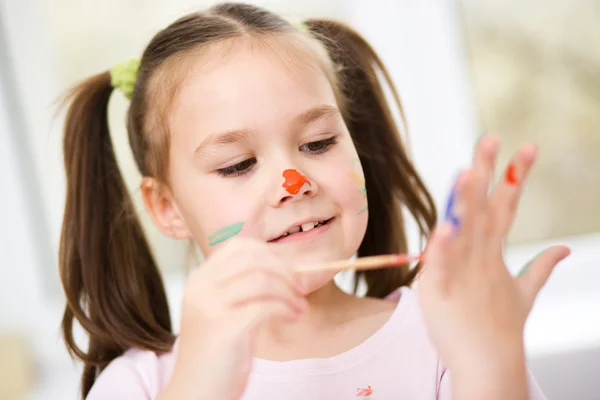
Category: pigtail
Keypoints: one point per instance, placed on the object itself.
(391, 180)
(112, 285)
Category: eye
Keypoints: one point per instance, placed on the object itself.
(319, 146)
(238, 169)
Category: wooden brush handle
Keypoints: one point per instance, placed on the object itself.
(363, 263)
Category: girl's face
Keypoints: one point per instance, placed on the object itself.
(236, 126)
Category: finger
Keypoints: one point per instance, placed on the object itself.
(505, 197)
(233, 248)
(535, 274)
(257, 285)
(484, 160)
(437, 269)
(473, 196)
(484, 157)
(454, 208)
(450, 209)
(470, 211)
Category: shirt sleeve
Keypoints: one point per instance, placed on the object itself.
(445, 390)
(120, 380)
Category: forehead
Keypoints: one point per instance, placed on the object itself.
(245, 85)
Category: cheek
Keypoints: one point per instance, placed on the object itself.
(212, 218)
(222, 219)
(346, 187)
(354, 197)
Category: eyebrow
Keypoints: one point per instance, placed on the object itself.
(239, 135)
(228, 137)
(314, 114)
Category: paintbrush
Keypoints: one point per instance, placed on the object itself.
(364, 263)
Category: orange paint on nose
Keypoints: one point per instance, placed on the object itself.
(294, 181)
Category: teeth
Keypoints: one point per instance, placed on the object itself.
(308, 226)
(303, 228)
(295, 229)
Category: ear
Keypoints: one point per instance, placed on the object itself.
(163, 210)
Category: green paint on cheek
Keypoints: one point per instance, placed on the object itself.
(365, 208)
(225, 233)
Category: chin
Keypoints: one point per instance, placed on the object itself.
(311, 282)
(315, 254)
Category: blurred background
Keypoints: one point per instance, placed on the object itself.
(527, 70)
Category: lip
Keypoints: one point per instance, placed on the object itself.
(303, 235)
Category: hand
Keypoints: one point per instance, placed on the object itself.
(474, 309)
(239, 288)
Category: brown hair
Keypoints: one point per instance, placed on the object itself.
(113, 286)
(391, 179)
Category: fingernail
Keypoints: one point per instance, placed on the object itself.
(511, 174)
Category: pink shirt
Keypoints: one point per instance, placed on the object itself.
(396, 362)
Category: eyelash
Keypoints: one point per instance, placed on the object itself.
(238, 169)
(245, 166)
(325, 145)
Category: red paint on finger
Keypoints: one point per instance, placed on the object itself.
(294, 181)
(511, 174)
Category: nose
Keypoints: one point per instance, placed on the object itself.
(294, 181)
(295, 185)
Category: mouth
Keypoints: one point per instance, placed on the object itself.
(303, 230)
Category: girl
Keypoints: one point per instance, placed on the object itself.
(260, 141)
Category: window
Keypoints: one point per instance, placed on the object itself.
(535, 76)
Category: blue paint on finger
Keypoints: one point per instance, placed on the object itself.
(449, 214)
(455, 222)
(450, 203)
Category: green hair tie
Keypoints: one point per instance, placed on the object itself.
(124, 74)
(301, 26)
